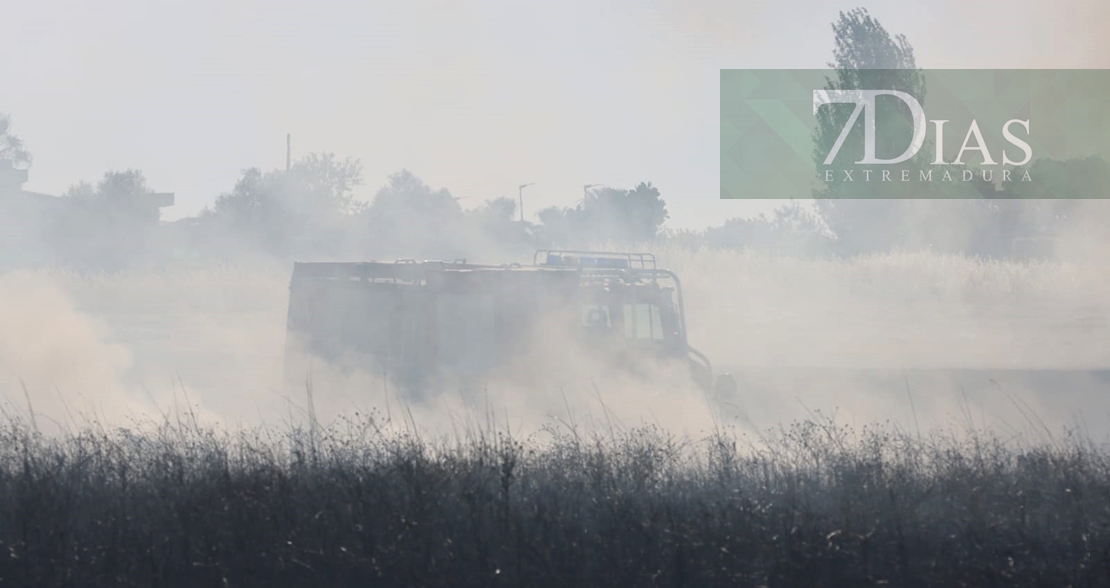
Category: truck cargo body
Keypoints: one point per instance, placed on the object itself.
(410, 322)
(421, 324)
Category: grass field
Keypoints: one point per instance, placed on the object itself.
(812, 504)
(345, 494)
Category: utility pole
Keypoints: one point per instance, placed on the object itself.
(288, 151)
(520, 195)
(586, 191)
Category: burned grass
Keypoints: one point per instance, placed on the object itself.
(814, 504)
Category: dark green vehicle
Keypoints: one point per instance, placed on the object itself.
(415, 322)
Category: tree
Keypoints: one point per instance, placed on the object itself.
(121, 197)
(1066, 197)
(495, 212)
(495, 222)
(608, 215)
(305, 210)
(870, 216)
(636, 215)
(867, 57)
(408, 218)
(975, 217)
(110, 225)
(12, 148)
(320, 184)
(791, 229)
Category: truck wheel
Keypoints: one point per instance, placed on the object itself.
(725, 388)
(701, 376)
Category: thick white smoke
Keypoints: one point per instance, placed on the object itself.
(921, 339)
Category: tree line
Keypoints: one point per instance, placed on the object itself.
(310, 209)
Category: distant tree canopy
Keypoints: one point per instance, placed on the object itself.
(111, 225)
(1069, 181)
(499, 211)
(792, 229)
(975, 217)
(866, 56)
(311, 210)
(496, 221)
(1063, 196)
(118, 198)
(608, 215)
(303, 209)
(409, 218)
(407, 203)
(12, 148)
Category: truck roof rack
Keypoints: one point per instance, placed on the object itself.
(595, 259)
(398, 271)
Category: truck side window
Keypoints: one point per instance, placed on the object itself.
(642, 321)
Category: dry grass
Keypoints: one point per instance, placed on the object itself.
(814, 504)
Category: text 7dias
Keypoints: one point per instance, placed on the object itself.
(865, 102)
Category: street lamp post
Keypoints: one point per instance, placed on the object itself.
(520, 195)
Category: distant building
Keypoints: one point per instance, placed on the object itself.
(11, 179)
(28, 220)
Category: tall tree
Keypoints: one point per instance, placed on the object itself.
(867, 57)
(119, 197)
(872, 215)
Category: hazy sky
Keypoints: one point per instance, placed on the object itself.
(477, 97)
